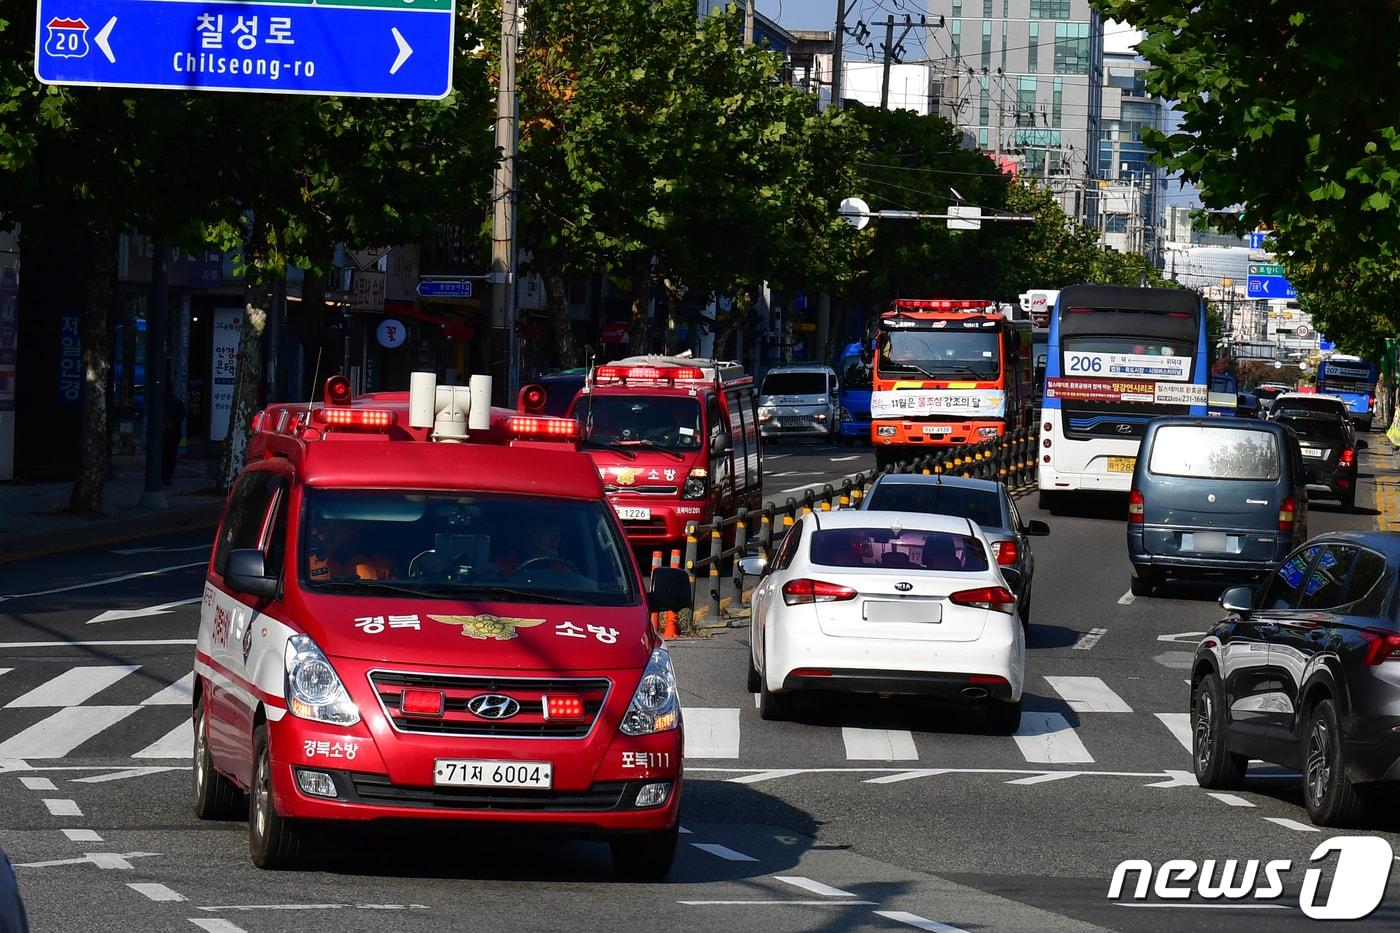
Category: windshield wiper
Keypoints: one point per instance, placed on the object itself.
(652, 445)
(349, 585)
(617, 448)
(486, 591)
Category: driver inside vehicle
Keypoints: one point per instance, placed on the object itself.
(338, 550)
(537, 548)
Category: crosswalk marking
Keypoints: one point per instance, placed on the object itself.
(712, 733)
(37, 783)
(82, 835)
(75, 685)
(57, 735)
(180, 693)
(1180, 726)
(177, 743)
(878, 744)
(815, 887)
(906, 776)
(1088, 695)
(1047, 738)
(62, 807)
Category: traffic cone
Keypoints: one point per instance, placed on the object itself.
(670, 631)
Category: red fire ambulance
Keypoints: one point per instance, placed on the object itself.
(422, 608)
(675, 440)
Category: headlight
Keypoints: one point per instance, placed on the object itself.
(694, 488)
(655, 706)
(314, 690)
(764, 413)
(886, 430)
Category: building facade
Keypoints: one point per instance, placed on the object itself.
(1133, 218)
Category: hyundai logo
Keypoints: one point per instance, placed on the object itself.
(493, 706)
(904, 587)
(1125, 429)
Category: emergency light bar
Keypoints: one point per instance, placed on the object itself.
(929, 304)
(369, 419)
(625, 374)
(544, 429)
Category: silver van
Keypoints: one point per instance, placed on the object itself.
(799, 400)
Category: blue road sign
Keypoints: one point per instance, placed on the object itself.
(446, 288)
(1256, 240)
(1270, 286)
(274, 48)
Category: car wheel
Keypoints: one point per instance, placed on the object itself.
(215, 796)
(645, 857)
(1142, 583)
(754, 681)
(1003, 717)
(1216, 766)
(773, 706)
(1328, 793)
(274, 842)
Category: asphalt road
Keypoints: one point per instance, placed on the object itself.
(861, 814)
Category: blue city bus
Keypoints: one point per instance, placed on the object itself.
(855, 395)
(1353, 380)
(1116, 358)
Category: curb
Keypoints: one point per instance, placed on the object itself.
(114, 530)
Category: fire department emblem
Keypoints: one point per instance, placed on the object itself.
(626, 476)
(484, 627)
(67, 38)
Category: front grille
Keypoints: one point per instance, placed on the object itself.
(377, 789)
(458, 690)
(652, 527)
(795, 421)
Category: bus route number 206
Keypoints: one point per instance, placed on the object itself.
(1085, 364)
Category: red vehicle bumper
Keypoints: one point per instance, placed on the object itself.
(934, 433)
(665, 521)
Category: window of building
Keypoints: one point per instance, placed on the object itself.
(986, 44)
(957, 8)
(983, 137)
(1071, 48)
(1049, 9)
(1057, 102)
(1004, 24)
(1033, 50)
(984, 112)
(957, 38)
(1025, 102)
(987, 8)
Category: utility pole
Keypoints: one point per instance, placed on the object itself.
(503, 201)
(889, 57)
(154, 495)
(837, 54)
(748, 22)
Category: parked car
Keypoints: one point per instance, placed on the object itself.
(984, 501)
(886, 603)
(1305, 673)
(801, 400)
(1214, 496)
(1329, 447)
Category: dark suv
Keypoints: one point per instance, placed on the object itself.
(1329, 452)
(1305, 673)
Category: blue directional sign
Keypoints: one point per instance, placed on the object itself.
(446, 288)
(369, 49)
(1270, 286)
(1256, 240)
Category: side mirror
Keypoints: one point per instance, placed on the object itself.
(1361, 444)
(720, 443)
(1037, 528)
(1239, 600)
(247, 573)
(670, 590)
(753, 566)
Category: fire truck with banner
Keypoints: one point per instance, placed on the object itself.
(947, 373)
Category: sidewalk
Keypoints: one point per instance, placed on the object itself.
(1383, 461)
(34, 520)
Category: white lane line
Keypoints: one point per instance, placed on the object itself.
(6, 645)
(1232, 800)
(1046, 738)
(878, 744)
(1127, 599)
(215, 925)
(801, 488)
(684, 831)
(104, 582)
(712, 732)
(177, 743)
(64, 731)
(180, 693)
(723, 852)
(1088, 695)
(815, 887)
(1046, 778)
(156, 892)
(1089, 639)
(914, 920)
(81, 835)
(776, 903)
(37, 783)
(845, 459)
(125, 774)
(769, 775)
(905, 776)
(1291, 824)
(74, 686)
(61, 807)
(5, 670)
(1180, 726)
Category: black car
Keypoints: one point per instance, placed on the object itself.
(983, 501)
(1329, 449)
(1305, 673)
(560, 389)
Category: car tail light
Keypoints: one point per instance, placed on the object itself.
(558, 708)
(1285, 514)
(373, 419)
(1137, 507)
(1007, 552)
(798, 592)
(417, 702)
(995, 598)
(1047, 426)
(1384, 646)
(1347, 459)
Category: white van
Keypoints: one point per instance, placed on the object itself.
(799, 400)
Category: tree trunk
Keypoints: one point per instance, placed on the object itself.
(641, 298)
(94, 445)
(257, 298)
(556, 298)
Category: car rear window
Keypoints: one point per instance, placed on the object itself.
(1214, 453)
(983, 506)
(1322, 429)
(794, 384)
(881, 548)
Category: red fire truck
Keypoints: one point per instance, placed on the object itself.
(946, 373)
(422, 608)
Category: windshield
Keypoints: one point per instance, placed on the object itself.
(1214, 453)
(1121, 357)
(794, 384)
(941, 353)
(909, 550)
(640, 420)
(503, 548)
(983, 506)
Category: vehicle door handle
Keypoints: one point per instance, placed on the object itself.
(1268, 628)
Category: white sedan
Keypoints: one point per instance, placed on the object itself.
(885, 602)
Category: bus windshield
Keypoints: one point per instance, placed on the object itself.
(941, 353)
